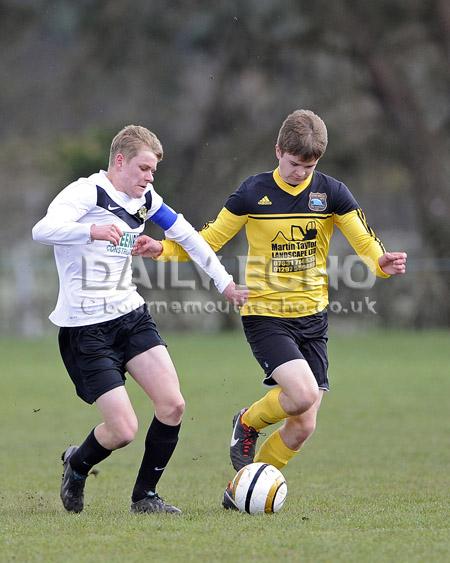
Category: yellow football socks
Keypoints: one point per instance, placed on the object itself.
(265, 411)
(274, 451)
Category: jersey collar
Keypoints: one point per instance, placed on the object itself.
(292, 190)
(130, 204)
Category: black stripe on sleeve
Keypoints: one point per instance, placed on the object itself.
(369, 230)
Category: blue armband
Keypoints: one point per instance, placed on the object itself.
(165, 217)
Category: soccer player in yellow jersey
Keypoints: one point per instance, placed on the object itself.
(289, 215)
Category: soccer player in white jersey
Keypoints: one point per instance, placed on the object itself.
(105, 327)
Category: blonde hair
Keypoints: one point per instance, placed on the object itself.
(303, 134)
(131, 139)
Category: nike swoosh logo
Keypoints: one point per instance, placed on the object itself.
(234, 440)
(159, 468)
(110, 208)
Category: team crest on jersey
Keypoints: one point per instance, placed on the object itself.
(317, 201)
(142, 213)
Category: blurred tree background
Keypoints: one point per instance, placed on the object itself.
(214, 81)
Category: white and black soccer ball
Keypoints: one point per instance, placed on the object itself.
(258, 488)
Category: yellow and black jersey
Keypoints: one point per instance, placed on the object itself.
(288, 231)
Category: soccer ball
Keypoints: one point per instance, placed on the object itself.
(259, 487)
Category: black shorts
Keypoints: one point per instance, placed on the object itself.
(276, 340)
(95, 355)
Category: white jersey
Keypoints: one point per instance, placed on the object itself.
(95, 276)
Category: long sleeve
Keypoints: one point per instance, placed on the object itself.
(186, 242)
(184, 234)
(216, 234)
(362, 238)
(61, 223)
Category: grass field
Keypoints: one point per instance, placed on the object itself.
(372, 485)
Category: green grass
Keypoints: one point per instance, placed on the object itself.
(372, 484)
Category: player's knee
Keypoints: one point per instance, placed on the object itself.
(305, 399)
(125, 432)
(172, 411)
(177, 409)
(312, 395)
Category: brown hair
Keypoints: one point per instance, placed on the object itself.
(303, 134)
(131, 139)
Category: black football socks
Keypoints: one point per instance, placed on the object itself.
(160, 443)
(88, 454)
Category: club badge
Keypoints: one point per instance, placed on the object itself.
(142, 213)
(317, 201)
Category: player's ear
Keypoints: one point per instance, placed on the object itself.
(278, 152)
(119, 160)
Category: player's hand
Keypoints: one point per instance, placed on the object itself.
(236, 295)
(111, 233)
(147, 246)
(393, 263)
